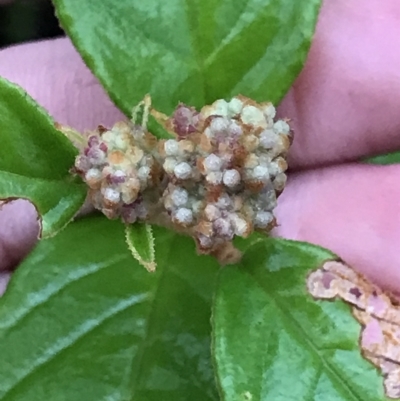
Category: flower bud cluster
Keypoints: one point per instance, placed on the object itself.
(218, 178)
(120, 171)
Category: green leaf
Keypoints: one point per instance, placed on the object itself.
(194, 51)
(140, 240)
(390, 158)
(56, 201)
(157, 129)
(82, 320)
(35, 159)
(274, 342)
(31, 145)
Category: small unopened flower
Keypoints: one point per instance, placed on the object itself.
(218, 178)
(185, 120)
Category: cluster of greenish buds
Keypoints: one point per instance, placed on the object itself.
(218, 176)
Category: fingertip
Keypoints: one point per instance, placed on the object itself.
(19, 230)
(353, 210)
(344, 104)
(53, 73)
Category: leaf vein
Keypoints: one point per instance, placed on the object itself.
(51, 291)
(297, 328)
(72, 338)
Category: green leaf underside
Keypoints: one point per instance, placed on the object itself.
(35, 159)
(273, 342)
(192, 51)
(390, 158)
(95, 325)
(31, 146)
(140, 240)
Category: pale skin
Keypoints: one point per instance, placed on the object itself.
(345, 105)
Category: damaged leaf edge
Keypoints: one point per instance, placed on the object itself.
(42, 232)
(391, 390)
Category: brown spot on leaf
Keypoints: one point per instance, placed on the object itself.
(356, 292)
(377, 311)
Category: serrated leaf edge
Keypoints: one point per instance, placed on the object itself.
(151, 265)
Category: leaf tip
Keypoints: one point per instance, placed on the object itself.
(149, 266)
(140, 240)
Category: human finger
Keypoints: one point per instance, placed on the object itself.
(353, 210)
(345, 103)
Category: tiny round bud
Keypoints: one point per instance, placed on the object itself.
(93, 140)
(280, 182)
(223, 228)
(185, 146)
(111, 195)
(218, 125)
(261, 173)
(268, 139)
(267, 198)
(212, 212)
(204, 241)
(170, 164)
(185, 120)
(251, 142)
(240, 225)
(214, 178)
(224, 201)
(251, 161)
(183, 216)
(179, 197)
(196, 205)
(96, 156)
(117, 177)
(171, 147)
(274, 169)
(213, 163)
(143, 173)
(235, 106)
(130, 190)
(231, 178)
(269, 111)
(234, 130)
(93, 177)
(120, 142)
(108, 136)
(183, 171)
(282, 127)
(220, 108)
(264, 159)
(82, 163)
(123, 128)
(253, 116)
(137, 155)
(103, 147)
(262, 219)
